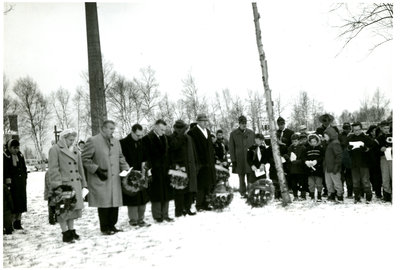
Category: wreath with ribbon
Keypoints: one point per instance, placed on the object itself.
(134, 182)
(179, 178)
(260, 193)
(63, 199)
(221, 197)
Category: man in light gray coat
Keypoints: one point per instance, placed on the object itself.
(103, 160)
(239, 141)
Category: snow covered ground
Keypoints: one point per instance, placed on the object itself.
(304, 235)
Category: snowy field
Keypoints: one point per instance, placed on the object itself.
(304, 235)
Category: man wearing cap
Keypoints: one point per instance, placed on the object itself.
(283, 134)
(346, 161)
(103, 160)
(326, 121)
(205, 162)
(181, 157)
(240, 140)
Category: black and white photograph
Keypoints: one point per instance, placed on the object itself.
(200, 134)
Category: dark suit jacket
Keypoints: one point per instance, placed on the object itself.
(286, 137)
(252, 158)
(156, 150)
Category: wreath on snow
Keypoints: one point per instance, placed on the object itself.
(63, 199)
(222, 196)
(222, 173)
(179, 178)
(260, 193)
(134, 182)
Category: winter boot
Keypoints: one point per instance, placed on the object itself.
(312, 196)
(387, 196)
(368, 197)
(17, 225)
(68, 237)
(325, 193)
(340, 198)
(303, 195)
(319, 196)
(74, 235)
(331, 197)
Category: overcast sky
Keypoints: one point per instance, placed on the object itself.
(214, 40)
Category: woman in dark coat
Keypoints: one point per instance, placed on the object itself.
(132, 148)
(15, 175)
(181, 155)
(374, 161)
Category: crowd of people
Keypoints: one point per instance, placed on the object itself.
(318, 163)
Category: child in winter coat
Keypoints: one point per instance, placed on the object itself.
(297, 176)
(332, 165)
(313, 159)
(257, 157)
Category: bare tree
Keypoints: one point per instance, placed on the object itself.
(191, 97)
(166, 110)
(279, 105)
(255, 108)
(60, 101)
(34, 111)
(374, 17)
(10, 105)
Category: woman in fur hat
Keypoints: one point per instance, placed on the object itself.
(65, 168)
(15, 175)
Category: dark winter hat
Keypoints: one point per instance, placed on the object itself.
(259, 136)
(280, 120)
(384, 123)
(303, 135)
(295, 137)
(242, 119)
(326, 118)
(346, 125)
(12, 142)
(201, 117)
(370, 129)
(358, 123)
(180, 124)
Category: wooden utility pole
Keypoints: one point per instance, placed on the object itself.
(270, 111)
(98, 110)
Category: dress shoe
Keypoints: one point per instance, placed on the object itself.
(143, 224)
(168, 219)
(115, 230)
(158, 220)
(74, 235)
(68, 237)
(17, 225)
(107, 232)
(190, 213)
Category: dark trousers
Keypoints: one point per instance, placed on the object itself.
(159, 210)
(108, 217)
(298, 182)
(242, 183)
(376, 179)
(347, 177)
(201, 201)
(361, 182)
(183, 201)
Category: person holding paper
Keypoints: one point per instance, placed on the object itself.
(132, 148)
(386, 145)
(103, 160)
(65, 168)
(313, 159)
(257, 158)
(359, 145)
(297, 177)
(346, 161)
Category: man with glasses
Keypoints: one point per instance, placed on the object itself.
(205, 161)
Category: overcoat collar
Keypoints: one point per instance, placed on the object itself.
(65, 150)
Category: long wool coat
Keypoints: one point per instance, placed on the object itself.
(160, 189)
(239, 142)
(134, 154)
(106, 154)
(18, 175)
(65, 168)
(205, 158)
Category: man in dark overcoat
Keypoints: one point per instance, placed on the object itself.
(160, 190)
(205, 161)
(132, 148)
(240, 140)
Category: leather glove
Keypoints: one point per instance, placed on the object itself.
(102, 174)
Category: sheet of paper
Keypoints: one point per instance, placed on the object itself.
(85, 192)
(388, 153)
(357, 144)
(259, 172)
(124, 173)
(293, 156)
(283, 160)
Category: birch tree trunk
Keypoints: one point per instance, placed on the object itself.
(98, 109)
(270, 111)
